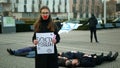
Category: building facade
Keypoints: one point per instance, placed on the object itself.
(84, 8)
(5, 7)
(64, 9)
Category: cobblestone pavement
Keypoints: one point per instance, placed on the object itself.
(75, 40)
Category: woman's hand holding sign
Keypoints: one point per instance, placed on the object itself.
(35, 42)
(54, 39)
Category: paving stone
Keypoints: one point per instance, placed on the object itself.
(73, 41)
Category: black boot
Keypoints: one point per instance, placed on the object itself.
(109, 54)
(114, 56)
(99, 59)
(101, 55)
(93, 55)
(10, 51)
(109, 58)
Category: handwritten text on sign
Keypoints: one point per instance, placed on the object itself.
(45, 45)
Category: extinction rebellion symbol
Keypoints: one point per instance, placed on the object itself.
(49, 50)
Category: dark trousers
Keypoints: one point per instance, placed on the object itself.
(87, 62)
(93, 32)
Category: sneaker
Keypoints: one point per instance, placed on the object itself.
(10, 51)
(115, 56)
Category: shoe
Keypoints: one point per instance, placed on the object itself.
(102, 54)
(10, 51)
(99, 59)
(97, 41)
(93, 54)
(115, 56)
(109, 54)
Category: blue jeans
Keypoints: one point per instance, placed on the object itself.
(23, 51)
(31, 54)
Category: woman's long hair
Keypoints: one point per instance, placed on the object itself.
(37, 23)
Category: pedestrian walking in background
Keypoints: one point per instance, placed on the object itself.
(44, 24)
(58, 23)
(92, 27)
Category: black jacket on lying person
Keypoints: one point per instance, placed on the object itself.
(72, 54)
(85, 61)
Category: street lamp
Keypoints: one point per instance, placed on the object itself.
(104, 11)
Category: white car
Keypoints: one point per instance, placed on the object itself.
(117, 20)
(99, 21)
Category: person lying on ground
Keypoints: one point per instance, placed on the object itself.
(30, 53)
(70, 58)
(86, 61)
(27, 51)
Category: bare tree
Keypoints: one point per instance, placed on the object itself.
(111, 8)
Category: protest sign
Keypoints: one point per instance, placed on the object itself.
(45, 45)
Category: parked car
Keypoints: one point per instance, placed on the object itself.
(117, 20)
(99, 20)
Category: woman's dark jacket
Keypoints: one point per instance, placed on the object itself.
(46, 60)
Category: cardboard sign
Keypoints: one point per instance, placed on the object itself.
(45, 45)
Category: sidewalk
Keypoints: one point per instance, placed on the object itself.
(75, 40)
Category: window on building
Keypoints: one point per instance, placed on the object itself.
(28, 14)
(74, 1)
(25, 1)
(33, 8)
(17, 1)
(59, 2)
(117, 7)
(74, 10)
(39, 6)
(87, 8)
(59, 8)
(16, 9)
(92, 7)
(25, 8)
(33, 2)
(1, 8)
(5, 13)
(47, 2)
(81, 6)
(53, 6)
(65, 6)
(81, 15)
